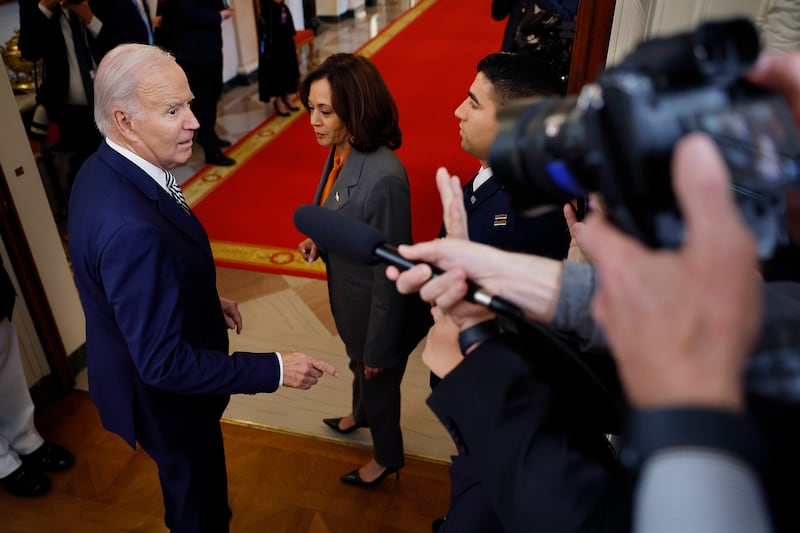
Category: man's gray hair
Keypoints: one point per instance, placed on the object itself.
(120, 76)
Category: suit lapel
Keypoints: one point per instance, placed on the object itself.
(348, 178)
(484, 192)
(167, 205)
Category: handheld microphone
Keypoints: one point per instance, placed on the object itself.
(362, 243)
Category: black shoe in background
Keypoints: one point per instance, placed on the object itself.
(26, 482)
(49, 457)
(216, 157)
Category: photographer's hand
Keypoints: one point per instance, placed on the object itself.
(681, 323)
(780, 72)
(575, 253)
(441, 353)
(531, 282)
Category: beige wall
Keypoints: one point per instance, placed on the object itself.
(28, 194)
(780, 22)
(637, 19)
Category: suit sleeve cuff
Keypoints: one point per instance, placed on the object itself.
(280, 369)
(95, 26)
(47, 13)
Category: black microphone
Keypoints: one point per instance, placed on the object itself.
(361, 243)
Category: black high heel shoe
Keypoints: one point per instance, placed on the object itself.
(290, 106)
(353, 478)
(333, 423)
(278, 112)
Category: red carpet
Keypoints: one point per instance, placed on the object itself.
(428, 59)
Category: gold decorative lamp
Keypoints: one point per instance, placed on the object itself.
(21, 72)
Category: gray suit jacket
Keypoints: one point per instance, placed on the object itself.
(371, 316)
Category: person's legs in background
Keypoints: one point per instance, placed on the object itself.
(24, 454)
(205, 80)
(78, 136)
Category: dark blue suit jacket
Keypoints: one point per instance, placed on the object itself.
(192, 30)
(156, 338)
(541, 465)
(492, 220)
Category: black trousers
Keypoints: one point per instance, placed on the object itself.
(191, 468)
(205, 80)
(78, 135)
(470, 507)
(376, 403)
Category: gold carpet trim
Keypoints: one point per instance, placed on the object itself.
(369, 49)
(211, 177)
(321, 438)
(265, 256)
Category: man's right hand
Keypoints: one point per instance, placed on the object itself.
(301, 371)
(453, 212)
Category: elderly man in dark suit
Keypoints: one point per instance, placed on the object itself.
(24, 454)
(156, 341)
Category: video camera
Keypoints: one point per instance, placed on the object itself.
(616, 137)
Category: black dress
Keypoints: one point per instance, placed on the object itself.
(278, 70)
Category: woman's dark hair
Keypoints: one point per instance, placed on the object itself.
(359, 97)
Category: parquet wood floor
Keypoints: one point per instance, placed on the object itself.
(277, 483)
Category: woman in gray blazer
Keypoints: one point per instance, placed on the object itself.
(352, 111)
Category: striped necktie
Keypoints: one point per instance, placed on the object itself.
(175, 191)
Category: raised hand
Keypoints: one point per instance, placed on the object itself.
(452, 197)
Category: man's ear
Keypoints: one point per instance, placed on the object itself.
(123, 122)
